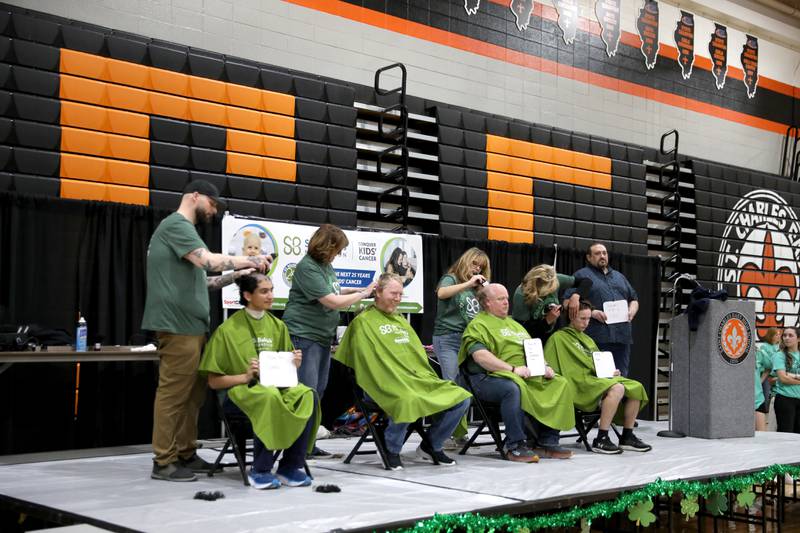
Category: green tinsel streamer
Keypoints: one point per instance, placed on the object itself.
(478, 523)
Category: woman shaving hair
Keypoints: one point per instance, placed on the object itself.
(536, 305)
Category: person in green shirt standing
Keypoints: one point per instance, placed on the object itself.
(312, 311)
(391, 367)
(763, 389)
(569, 352)
(493, 359)
(176, 309)
(535, 304)
(786, 364)
(282, 419)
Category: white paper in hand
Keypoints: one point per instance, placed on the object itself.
(616, 311)
(604, 366)
(534, 356)
(276, 369)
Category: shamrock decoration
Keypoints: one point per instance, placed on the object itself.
(586, 526)
(523, 530)
(717, 503)
(689, 506)
(640, 513)
(746, 497)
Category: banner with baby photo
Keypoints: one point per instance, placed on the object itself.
(369, 254)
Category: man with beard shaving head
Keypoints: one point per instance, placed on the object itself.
(176, 309)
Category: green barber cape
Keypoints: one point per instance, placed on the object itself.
(569, 352)
(278, 416)
(391, 366)
(548, 400)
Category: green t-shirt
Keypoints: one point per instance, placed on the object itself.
(391, 366)
(569, 353)
(278, 416)
(454, 313)
(305, 316)
(523, 312)
(548, 400)
(177, 294)
(779, 363)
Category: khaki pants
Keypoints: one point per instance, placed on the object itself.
(179, 396)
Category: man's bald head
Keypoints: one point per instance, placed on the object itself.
(494, 300)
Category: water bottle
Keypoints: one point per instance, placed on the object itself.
(80, 335)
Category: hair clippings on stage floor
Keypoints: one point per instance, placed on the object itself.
(327, 488)
(208, 495)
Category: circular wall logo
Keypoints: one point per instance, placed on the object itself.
(734, 338)
(288, 273)
(758, 258)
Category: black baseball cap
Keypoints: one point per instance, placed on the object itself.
(208, 189)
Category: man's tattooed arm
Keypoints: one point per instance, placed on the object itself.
(217, 282)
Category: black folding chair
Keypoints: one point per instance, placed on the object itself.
(584, 422)
(237, 431)
(374, 430)
(489, 424)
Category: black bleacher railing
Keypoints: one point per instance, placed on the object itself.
(399, 136)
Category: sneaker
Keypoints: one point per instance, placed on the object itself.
(263, 480)
(198, 465)
(172, 472)
(393, 460)
(455, 443)
(426, 454)
(605, 446)
(522, 454)
(554, 452)
(295, 477)
(634, 444)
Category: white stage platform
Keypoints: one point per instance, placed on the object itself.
(116, 491)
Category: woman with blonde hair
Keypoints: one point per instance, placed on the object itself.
(456, 305)
(535, 304)
(312, 310)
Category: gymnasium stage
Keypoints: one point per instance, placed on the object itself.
(114, 491)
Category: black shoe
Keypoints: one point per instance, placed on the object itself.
(426, 454)
(172, 472)
(605, 446)
(393, 460)
(634, 444)
(319, 453)
(198, 465)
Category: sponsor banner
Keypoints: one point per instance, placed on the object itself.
(718, 49)
(567, 18)
(368, 255)
(749, 59)
(684, 42)
(522, 10)
(647, 25)
(758, 258)
(607, 12)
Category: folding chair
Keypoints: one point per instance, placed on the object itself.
(374, 430)
(238, 430)
(584, 422)
(489, 420)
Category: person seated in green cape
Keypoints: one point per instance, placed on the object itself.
(282, 419)
(569, 352)
(492, 357)
(391, 367)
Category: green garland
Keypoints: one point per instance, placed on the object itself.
(636, 503)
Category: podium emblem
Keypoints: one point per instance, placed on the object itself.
(734, 338)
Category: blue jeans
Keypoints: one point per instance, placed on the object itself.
(442, 427)
(506, 393)
(446, 348)
(263, 458)
(622, 355)
(316, 364)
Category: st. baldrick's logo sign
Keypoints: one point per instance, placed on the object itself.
(758, 258)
